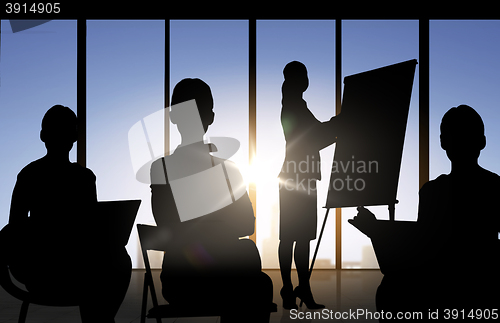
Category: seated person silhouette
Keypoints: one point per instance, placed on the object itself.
(55, 248)
(454, 260)
(206, 264)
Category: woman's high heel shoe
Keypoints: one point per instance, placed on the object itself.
(289, 298)
(306, 296)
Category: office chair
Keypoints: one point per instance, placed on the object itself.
(27, 297)
(152, 238)
(121, 218)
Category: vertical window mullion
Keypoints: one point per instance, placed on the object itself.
(252, 110)
(81, 148)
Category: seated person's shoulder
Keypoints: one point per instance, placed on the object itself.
(236, 180)
(438, 183)
(29, 170)
(231, 167)
(33, 171)
(490, 181)
(491, 176)
(83, 172)
(42, 167)
(157, 172)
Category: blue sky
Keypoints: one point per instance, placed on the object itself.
(125, 83)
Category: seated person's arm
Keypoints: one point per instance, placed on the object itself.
(162, 201)
(236, 219)
(396, 250)
(233, 221)
(425, 224)
(19, 205)
(424, 205)
(233, 217)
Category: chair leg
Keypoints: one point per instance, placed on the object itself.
(144, 299)
(148, 280)
(24, 312)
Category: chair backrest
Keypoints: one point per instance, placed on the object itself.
(155, 238)
(152, 237)
(9, 286)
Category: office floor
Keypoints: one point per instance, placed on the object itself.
(356, 294)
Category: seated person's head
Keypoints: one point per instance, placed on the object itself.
(189, 89)
(59, 128)
(462, 133)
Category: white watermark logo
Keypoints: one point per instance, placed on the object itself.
(201, 178)
(358, 314)
(349, 174)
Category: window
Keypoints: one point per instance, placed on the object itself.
(278, 43)
(38, 71)
(125, 83)
(217, 53)
(370, 44)
(125, 69)
(464, 70)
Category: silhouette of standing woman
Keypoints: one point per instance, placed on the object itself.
(305, 136)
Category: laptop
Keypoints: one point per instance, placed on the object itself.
(118, 218)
